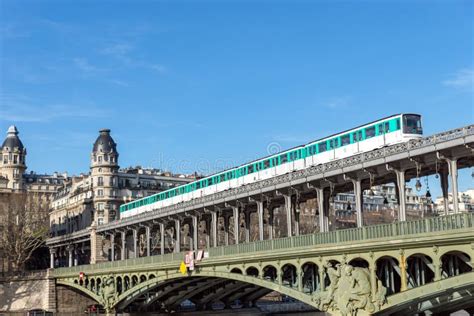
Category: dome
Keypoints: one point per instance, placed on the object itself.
(12, 141)
(104, 143)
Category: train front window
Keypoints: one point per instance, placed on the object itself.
(412, 124)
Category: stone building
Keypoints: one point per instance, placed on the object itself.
(16, 184)
(13, 178)
(90, 200)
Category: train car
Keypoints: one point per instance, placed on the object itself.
(388, 131)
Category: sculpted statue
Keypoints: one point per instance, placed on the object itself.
(108, 292)
(350, 291)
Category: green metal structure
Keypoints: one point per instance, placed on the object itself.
(400, 268)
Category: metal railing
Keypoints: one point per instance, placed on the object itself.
(398, 229)
(287, 178)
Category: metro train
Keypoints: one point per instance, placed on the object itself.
(387, 131)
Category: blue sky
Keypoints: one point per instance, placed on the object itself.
(194, 85)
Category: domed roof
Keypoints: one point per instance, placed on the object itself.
(12, 141)
(104, 143)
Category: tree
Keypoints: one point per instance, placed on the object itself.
(23, 226)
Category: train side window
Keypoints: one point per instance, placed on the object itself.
(387, 127)
(345, 140)
(322, 147)
(380, 129)
(370, 132)
(222, 177)
(284, 158)
(250, 168)
(398, 124)
(355, 137)
(266, 164)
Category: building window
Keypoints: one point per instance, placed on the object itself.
(100, 181)
(100, 158)
(100, 206)
(100, 192)
(5, 159)
(100, 221)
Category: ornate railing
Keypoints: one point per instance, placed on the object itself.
(398, 229)
(286, 178)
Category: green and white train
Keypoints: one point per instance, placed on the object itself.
(384, 132)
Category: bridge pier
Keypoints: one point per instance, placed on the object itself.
(247, 214)
(135, 240)
(124, 245)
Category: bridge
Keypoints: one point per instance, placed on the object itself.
(398, 268)
(403, 267)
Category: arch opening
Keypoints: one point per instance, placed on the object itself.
(311, 282)
(420, 270)
(455, 263)
(388, 272)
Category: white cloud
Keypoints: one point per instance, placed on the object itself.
(86, 67)
(19, 108)
(337, 102)
(462, 79)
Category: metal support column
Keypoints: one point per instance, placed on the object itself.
(403, 274)
(247, 226)
(70, 249)
(296, 208)
(453, 172)
(323, 206)
(214, 228)
(402, 216)
(444, 189)
(235, 211)
(147, 234)
(226, 229)
(288, 215)
(177, 234)
(112, 246)
(52, 252)
(358, 201)
(270, 222)
(124, 246)
(135, 241)
(260, 219)
(195, 232)
(162, 238)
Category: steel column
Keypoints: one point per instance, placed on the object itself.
(270, 222)
(444, 188)
(195, 232)
(247, 226)
(401, 194)
(323, 203)
(260, 219)
(147, 234)
(135, 241)
(358, 201)
(214, 228)
(162, 238)
(296, 208)
(453, 172)
(124, 246)
(112, 247)
(288, 215)
(235, 211)
(52, 252)
(177, 234)
(226, 229)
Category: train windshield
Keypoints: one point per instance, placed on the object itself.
(412, 124)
